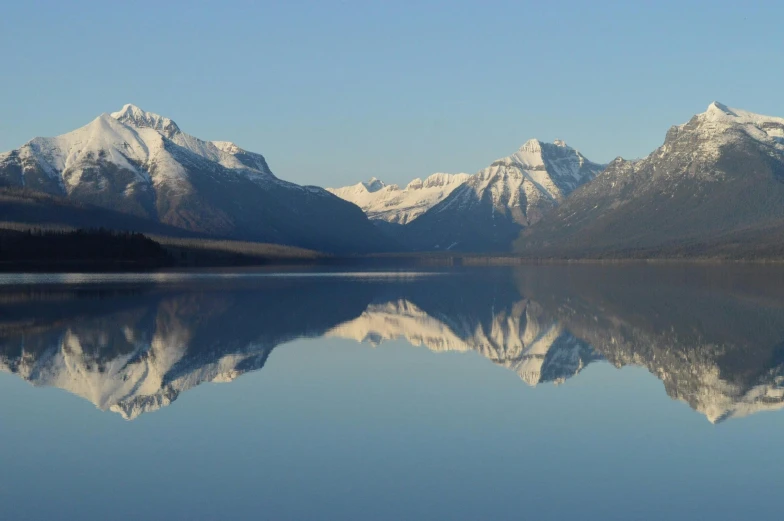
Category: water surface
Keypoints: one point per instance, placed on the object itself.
(626, 392)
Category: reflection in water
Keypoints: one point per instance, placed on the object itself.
(713, 336)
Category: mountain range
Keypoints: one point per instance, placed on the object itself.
(480, 212)
(715, 188)
(392, 204)
(141, 165)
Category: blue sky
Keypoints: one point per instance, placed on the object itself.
(335, 92)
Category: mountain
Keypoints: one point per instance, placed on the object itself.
(141, 164)
(488, 211)
(714, 188)
(389, 203)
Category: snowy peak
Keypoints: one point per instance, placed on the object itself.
(720, 119)
(133, 140)
(719, 108)
(373, 185)
(415, 184)
(493, 205)
(141, 164)
(442, 179)
(717, 177)
(532, 145)
(719, 112)
(705, 135)
(549, 170)
(389, 203)
(536, 146)
(437, 180)
(136, 117)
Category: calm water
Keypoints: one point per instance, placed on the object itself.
(533, 393)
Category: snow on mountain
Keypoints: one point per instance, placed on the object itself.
(129, 139)
(141, 163)
(714, 184)
(721, 121)
(530, 181)
(395, 205)
(493, 205)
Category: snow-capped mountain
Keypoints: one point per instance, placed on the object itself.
(713, 188)
(488, 211)
(142, 164)
(392, 204)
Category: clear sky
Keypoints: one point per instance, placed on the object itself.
(334, 92)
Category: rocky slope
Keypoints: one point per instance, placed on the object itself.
(143, 165)
(715, 187)
(392, 204)
(488, 211)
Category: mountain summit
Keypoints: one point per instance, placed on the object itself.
(488, 211)
(134, 116)
(140, 163)
(715, 187)
(389, 203)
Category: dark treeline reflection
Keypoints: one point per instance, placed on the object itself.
(713, 335)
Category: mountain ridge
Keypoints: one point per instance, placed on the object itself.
(488, 211)
(390, 203)
(140, 163)
(717, 175)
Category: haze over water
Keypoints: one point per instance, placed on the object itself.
(553, 392)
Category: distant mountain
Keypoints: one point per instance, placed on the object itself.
(488, 211)
(141, 164)
(392, 204)
(715, 188)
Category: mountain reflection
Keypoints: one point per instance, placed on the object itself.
(714, 336)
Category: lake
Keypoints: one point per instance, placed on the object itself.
(540, 392)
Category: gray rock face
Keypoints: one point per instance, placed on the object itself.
(143, 165)
(715, 187)
(488, 211)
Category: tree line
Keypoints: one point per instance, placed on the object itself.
(98, 245)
